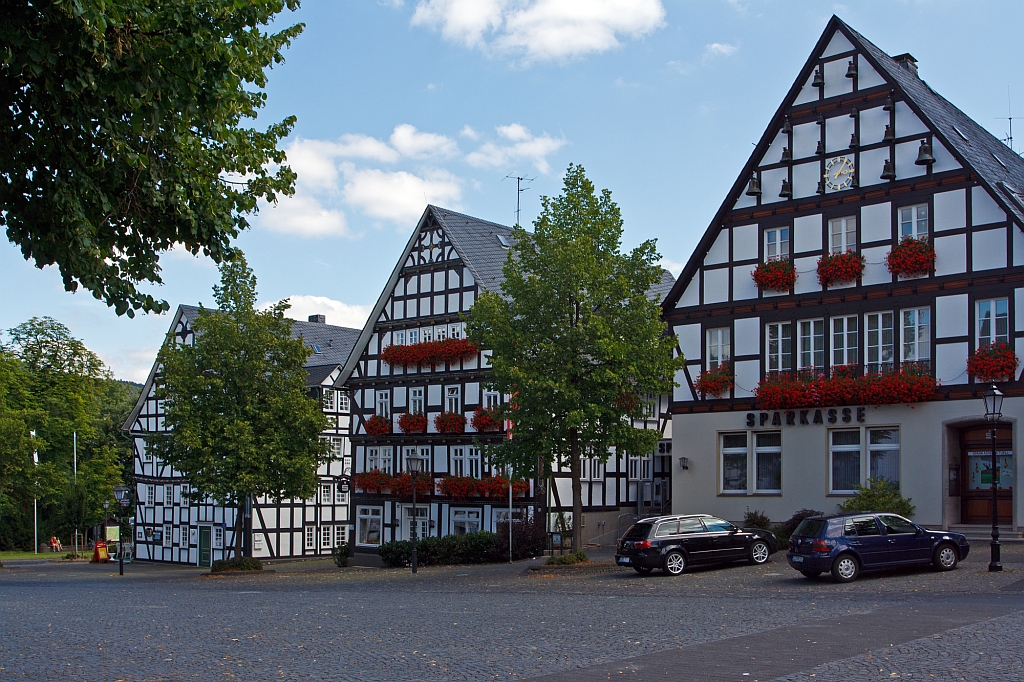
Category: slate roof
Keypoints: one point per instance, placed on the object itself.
(477, 243)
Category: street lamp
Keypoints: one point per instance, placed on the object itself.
(993, 411)
(121, 494)
(414, 464)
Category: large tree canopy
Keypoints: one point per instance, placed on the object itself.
(575, 338)
(121, 133)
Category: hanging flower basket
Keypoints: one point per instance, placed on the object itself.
(775, 275)
(840, 268)
(428, 353)
(845, 386)
(714, 382)
(911, 258)
(450, 422)
(459, 487)
(378, 426)
(996, 362)
(486, 420)
(375, 481)
(412, 422)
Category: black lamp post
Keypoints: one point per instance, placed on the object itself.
(993, 411)
(414, 464)
(121, 494)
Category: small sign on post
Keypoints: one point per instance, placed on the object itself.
(113, 533)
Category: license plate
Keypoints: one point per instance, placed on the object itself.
(625, 560)
(797, 559)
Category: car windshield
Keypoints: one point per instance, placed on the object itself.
(809, 528)
(638, 531)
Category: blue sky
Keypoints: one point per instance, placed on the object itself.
(400, 103)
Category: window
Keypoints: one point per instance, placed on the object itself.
(340, 534)
(398, 338)
(440, 333)
(343, 402)
(368, 523)
(879, 342)
(634, 468)
(993, 322)
(328, 400)
(897, 525)
(455, 331)
(884, 454)
(379, 458)
(325, 493)
(717, 525)
(667, 529)
(453, 398)
(861, 527)
(168, 495)
(596, 469)
(465, 521)
(416, 400)
(337, 448)
(310, 537)
(776, 243)
(690, 525)
(768, 462)
(914, 221)
(812, 344)
(845, 453)
(780, 346)
(414, 336)
(844, 341)
(428, 334)
(734, 462)
(917, 335)
(150, 495)
(491, 400)
(326, 535)
(842, 234)
(466, 462)
(645, 467)
(168, 535)
(421, 454)
(257, 542)
(383, 403)
(218, 537)
(719, 347)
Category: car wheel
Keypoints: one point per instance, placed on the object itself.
(644, 570)
(759, 552)
(845, 568)
(945, 557)
(675, 563)
(811, 574)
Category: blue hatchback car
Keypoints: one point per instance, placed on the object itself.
(846, 544)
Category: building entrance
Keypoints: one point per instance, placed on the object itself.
(976, 477)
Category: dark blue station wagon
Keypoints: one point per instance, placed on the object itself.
(846, 544)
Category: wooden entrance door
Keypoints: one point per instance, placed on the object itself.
(976, 477)
(205, 545)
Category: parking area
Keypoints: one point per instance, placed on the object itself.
(596, 621)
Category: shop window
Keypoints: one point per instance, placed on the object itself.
(718, 346)
(842, 234)
(734, 462)
(845, 341)
(993, 322)
(884, 454)
(917, 334)
(879, 342)
(776, 243)
(845, 464)
(914, 221)
(812, 344)
(780, 346)
(465, 521)
(768, 462)
(368, 525)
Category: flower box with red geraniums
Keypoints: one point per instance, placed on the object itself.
(496, 487)
(911, 258)
(459, 487)
(904, 386)
(996, 362)
(378, 426)
(840, 268)
(412, 422)
(486, 420)
(845, 386)
(428, 353)
(775, 275)
(401, 485)
(375, 481)
(714, 382)
(450, 422)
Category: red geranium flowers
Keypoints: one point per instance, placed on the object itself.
(775, 275)
(840, 268)
(429, 353)
(911, 258)
(996, 362)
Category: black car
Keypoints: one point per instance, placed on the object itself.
(846, 544)
(672, 543)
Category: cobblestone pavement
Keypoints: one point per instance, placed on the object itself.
(82, 622)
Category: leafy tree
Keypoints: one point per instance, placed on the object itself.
(879, 495)
(575, 338)
(239, 421)
(125, 129)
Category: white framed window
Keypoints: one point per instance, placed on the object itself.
(337, 449)
(465, 521)
(416, 400)
(734, 462)
(368, 525)
(387, 464)
(326, 537)
(844, 454)
(150, 495)
(917, 334)
(168, 495)
(914, 221)
(455, 331)
(340, 534)
(453, 399)
(884, 454)
(768, 462)
(383, 404)
(993, 322)
(811, 342)
(414, 337)
(780, 346)
(845, 341)
(596, 470)
(879, 342)
(440, 333)
(491, 400)
(379, 458)
(842, 234)
(344, 405)
(776, 243)
(719, 347)
(310, 537)
(428, 334)
(218, 537)
(325, 493)
(459, 461)
(398, 338)
(633, 468)
(168, 535)
(645, 467)
(328, 399)
(340, 497)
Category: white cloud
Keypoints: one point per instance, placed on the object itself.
(399, 196)
(303, 215)
(130, 364)
(414, 144)
(713, 50)
(672, 266)
(337, 313)
(525, 146)
(469, 132)
(540, 29)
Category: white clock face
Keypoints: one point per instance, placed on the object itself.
(839, 173)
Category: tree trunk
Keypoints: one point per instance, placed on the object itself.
(239, 514)
(577, 490)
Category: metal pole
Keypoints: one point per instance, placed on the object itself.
(994, 564)
(510, 516)
(75, 441)
(415, 521)
(120, 544)
(35, 506)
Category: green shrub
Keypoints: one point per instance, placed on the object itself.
(396, 554)
(246, 563)
(880, 495)
(784, 530)
(567, 559)
(756, 519)
(340, 554)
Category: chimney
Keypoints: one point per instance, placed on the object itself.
(319, 319)
(907, 61)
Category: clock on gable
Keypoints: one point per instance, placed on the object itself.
(839, 173)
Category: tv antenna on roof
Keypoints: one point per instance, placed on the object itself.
(1008, 139)
(519, 189)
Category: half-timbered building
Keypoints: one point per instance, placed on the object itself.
(171, 527)
(411, 402)
(862, 177)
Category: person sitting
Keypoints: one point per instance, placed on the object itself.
(53, 543)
